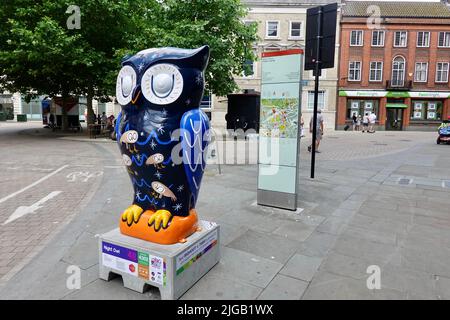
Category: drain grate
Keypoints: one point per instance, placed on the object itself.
(380, 144)
(405, 140)
(404, 181)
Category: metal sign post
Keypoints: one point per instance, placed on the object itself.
(316, 92)
(319, 54)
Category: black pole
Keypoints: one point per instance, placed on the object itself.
(316, 92)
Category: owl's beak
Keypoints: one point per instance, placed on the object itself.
(136, 94)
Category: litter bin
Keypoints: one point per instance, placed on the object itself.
(2, 116)
(21, 118)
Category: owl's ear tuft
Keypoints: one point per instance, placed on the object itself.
(201, 57)
(126, 57)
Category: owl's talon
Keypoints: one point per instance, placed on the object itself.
(160, 219)
(132, 214)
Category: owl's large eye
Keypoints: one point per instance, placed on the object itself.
(126, 81)
(162, 84)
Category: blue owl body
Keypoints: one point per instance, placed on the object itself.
(160, 92)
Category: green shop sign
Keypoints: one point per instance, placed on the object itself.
(394, 94)
(397, 94)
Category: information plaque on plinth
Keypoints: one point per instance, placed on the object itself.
(171, 268)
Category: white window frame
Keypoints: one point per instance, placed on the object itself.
(428, 39)
(370, 71)
(406, 39)
(362, 38)
(383, 38)
(426, 72)
(447, 70)
(278, 29)
(360, 70)
(253, 75)
(439, 37)
(404, 72)
(311, 100)
(211, 97)
(300, 36)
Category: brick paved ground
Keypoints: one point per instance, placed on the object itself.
(378, 199)
(25, 160)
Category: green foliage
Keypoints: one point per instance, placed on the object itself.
(40, 55)
(193, 23)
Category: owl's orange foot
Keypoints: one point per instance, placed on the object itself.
(132, 214)
(161, 227)
(160, 217)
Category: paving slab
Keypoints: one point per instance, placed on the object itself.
(284, 288)
(329, 286)
(269, 246)
(245, 267)
(215, 287)
(301, 267)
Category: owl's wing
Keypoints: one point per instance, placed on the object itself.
(195, 137)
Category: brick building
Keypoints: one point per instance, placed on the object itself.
(281, 26)
(394, 61)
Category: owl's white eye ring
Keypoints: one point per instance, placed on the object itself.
(162, 84)
(126, 82)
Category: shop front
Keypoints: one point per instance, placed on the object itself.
(6, 107)
(395, 110)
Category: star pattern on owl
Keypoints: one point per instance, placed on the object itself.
(160, 91)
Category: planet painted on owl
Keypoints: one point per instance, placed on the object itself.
(162, 133)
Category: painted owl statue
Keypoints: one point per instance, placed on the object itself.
(163, 137)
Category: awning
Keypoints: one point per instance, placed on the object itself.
(396, 105)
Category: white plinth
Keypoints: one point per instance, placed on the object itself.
(171, 268)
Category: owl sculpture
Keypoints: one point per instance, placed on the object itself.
(163, 137)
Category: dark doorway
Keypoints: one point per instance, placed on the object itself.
(394, 119)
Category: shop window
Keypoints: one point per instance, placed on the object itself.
(423, 110)
(361, 107)
(32, 109)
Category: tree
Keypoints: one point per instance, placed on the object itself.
(39, 54)
(193, 23)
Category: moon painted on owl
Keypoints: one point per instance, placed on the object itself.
(126, 160)
(155, 159)
(163, 190)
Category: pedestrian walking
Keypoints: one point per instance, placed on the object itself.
(358, 123)
(302, 127)
(319, 130)
(103, 120)
(372, 119)
(354, 118)
(365, 122)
